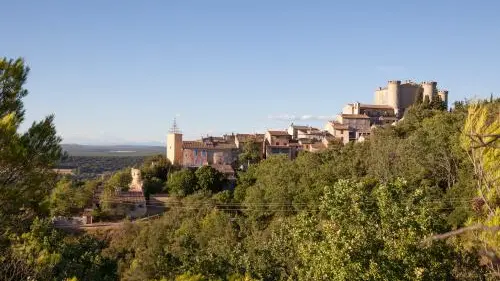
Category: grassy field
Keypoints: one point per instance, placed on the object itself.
(112, 150)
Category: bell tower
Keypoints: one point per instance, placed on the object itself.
(174, 144)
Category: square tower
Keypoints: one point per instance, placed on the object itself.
(174, 145)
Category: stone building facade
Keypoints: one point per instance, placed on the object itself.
(390, 104)
(400, 96)
(354, 123)
(206, 151)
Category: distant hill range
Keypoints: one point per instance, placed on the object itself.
(112, 150)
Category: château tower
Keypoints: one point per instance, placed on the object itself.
(430, 89)
(174, 145)
(400, 96)
(393, 95)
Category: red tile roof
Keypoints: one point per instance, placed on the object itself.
(131, 197)
(310, 130)
(201, 145)
(338, 126)
(355, 116)
(247, 137)
(278, 133)
(300, 127)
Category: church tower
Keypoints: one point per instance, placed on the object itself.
(174, 145)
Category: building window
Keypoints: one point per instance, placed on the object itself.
(277, 143)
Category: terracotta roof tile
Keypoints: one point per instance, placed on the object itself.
(338, 126)
(201, 145)
(278, 133)
(300, 127)
(247, 137)
(355, 116)
(311, 131)
(131, 196)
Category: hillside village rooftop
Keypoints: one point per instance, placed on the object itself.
(353, 123)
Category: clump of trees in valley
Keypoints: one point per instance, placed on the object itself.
(416, 201)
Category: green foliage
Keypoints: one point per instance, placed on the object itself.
(152, 185)
(69, 197)
(13, 76)
(376, 210)
(209, 179)
(245, 180)
(109, 204)
(481, 140)
(374, 232)
(427, 102)
(81, 257)
(190, 277)
(435, 103)
(119, 180)
(342, 214)
(193, 238)
(51, 255)
(182, 183)
(251, 153)
(155, 171)
(156, 167)
(26, 159)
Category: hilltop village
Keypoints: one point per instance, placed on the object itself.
(223, 153)
(342, 182)
(354, 123)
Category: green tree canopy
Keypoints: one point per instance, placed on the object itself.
(119, 180)
(70, 197)
(481, 140)
(251, 152)
(370, 231)
(209, 179)
(182, 183)
(157, 166)
(48, 254)
(26, 159)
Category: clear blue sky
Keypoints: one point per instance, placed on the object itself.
(120, 71)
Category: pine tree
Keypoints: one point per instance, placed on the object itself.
(26, 160)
